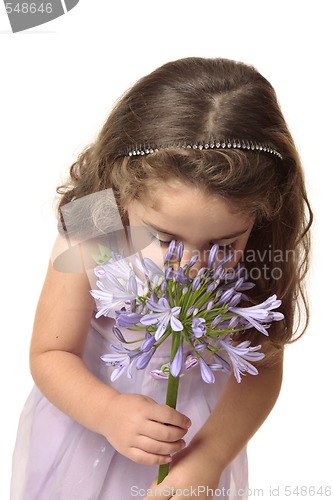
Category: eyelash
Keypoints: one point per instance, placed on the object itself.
(165, 244)
(162, 243)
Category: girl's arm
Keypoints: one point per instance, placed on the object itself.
(60, 329)
(240, 411)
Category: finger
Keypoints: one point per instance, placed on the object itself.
(158, 447)
(167, 415)
(142, 457)
(161, 432)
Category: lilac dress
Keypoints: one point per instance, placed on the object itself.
(55, 458)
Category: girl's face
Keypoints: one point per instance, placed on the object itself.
(184, 213)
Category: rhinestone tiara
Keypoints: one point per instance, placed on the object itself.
(243, 144)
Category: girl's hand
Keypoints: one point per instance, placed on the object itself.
(193, 473)
(143, 430)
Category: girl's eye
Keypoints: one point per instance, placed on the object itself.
(165, 243)
(162, 243)
(227, 247)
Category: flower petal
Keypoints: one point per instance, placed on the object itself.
(143, 360)
(159, 374)
(176, 324)
(176, 364)
(206, 373)
(147, 344)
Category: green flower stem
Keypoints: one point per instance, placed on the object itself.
(171, 396)
(172, 391)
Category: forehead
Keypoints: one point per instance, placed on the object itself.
(188, 212)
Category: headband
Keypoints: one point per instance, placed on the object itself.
(243, 144)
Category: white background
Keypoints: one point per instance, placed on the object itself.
(58, 83)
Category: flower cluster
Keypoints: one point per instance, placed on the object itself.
(203, 312)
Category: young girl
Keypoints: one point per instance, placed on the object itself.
(197, 151)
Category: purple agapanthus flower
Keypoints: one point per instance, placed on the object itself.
(202, 313)
(181, 277)
(126, 319)
(199, 327)
(206, 372)
(170, 252)
(191, 361)
(117, 284)
(144, 358)
(259, 315)
(121, 359)
(240, 356)
(176, 364)
(148, 343)
(159, 374)
(162, 314)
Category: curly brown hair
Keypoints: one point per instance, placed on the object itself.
(195, 100)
